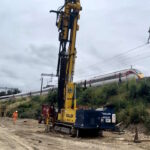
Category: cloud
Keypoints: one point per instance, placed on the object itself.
(29, 38)
(35, 56)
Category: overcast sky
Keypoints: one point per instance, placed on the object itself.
(29, 39)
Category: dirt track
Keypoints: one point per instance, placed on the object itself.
(29, 135)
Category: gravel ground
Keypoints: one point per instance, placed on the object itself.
(27, 134)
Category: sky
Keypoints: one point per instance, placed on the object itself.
(29, 39)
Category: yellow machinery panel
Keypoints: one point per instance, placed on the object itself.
(67, 116)
(70, 96)
(69, 113)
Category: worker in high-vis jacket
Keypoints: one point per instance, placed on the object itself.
(15, 116)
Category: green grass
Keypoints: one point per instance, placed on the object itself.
(131, 101)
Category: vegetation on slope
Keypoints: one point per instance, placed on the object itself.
(30, 108)
(131, 101)
(10, 92)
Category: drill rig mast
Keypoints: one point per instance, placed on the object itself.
(67, 23)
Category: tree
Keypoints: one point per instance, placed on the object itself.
(2, 93)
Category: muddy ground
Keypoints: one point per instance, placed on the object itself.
(27, 134)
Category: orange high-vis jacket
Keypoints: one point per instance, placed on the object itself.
(15, 115)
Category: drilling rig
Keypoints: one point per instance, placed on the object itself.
(67, 26)
(69, 118)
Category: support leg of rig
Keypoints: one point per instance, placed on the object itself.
(78, 133)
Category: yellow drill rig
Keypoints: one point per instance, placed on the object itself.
(67, 23)
(69, 118)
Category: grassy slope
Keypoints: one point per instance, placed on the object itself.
(131, 101)
(29, 107)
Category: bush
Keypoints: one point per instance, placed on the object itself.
(132, 91)
(86, 97)
(144, 91)
(123, 117)
(51, 98)
(119, 103)
(133, 114)
(110, 90)
(147, 122)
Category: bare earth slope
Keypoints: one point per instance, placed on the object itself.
(27, 134)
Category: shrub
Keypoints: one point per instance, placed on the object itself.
(86, 97)
(147, 122)
(119, 103)
(51, 98)
(110, 90)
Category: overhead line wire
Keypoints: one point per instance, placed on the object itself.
(113, 57)
(98, 74)
(124, 64)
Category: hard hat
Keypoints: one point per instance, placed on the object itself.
(16, 111)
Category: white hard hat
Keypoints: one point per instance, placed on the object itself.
(16, 111)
